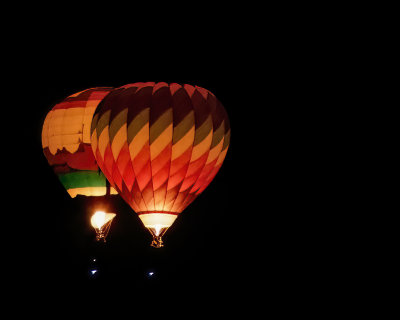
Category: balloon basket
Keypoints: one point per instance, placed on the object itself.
(157, 234)
(100, 237)
(157, 242)
(101, 233)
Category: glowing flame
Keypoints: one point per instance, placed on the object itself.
(158, 229)
(100, 218)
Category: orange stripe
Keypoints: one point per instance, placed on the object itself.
(159, 162)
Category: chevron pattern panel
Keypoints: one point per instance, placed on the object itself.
(160, 145)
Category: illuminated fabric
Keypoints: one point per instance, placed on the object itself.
(160, 145)
(66, 143)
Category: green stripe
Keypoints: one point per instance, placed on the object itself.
(82, 179)
(183, 127)
(94, 123)
(159, 126)
(203, 131)
(137, 123)
(117, 123)
(218, 135)
(227, 139)
(103, 122)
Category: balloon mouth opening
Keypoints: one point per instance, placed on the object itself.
(157, 223)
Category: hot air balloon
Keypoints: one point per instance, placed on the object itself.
(66, 144)
(160, 145)
(101, 222)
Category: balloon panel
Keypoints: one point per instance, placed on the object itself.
(66, 143)
(159, 144)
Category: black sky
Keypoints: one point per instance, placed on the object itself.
(250, 229)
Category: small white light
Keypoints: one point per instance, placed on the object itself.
(94, 260)
(151, 273)
(93, 271)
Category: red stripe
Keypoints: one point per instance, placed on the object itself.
(189, 199)
(142, 158)
(98, 95)
(117, 177)
(161, 177)
(159, 196)
(150, 212)
(178, 202)
(82, 159)
(159, 162)
(126, 195)
(188, 182)
(209, 179)
(148, 196)
(129, 176)
(137, 197)
(100, 163)
(197, 165)
(203, 176)
(108, 160)
(182, 160)
(70, 105)
(122, 162)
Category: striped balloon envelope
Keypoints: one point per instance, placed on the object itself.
(66, 144)
(160, 145)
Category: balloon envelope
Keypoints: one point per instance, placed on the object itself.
(160, 145)
(66, 143)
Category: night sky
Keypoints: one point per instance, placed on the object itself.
(198, 251)
(248, 231)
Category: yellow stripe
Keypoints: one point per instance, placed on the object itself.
(87, 122)
(214, 152)
(66, 121)
(137, 123)
(45, 131)
(138, 141)
(92, 104)
(69, 142)
(103, 141)
(221, 157)
(160, 124)
(113, 191)
(183, 144)
(67, 128)
(185, 125)
(91, 191)
(118, 141)
(94, 140)
(161, 142)
(202, 147)
(77, 94)
(88, 191)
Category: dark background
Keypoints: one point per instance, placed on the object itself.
(250, 236)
